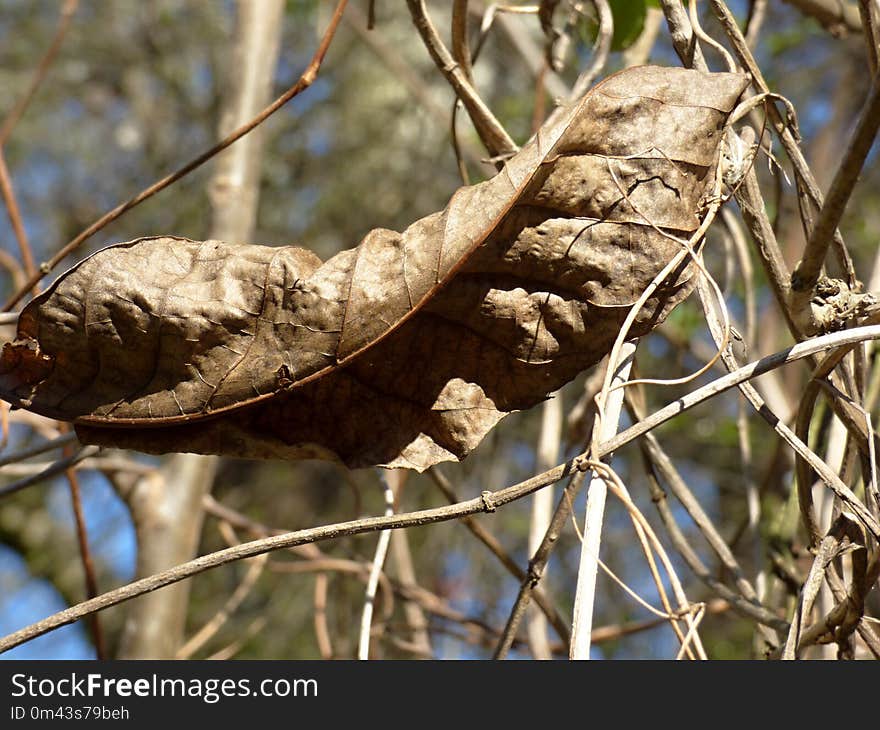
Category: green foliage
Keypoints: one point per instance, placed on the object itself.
(629, 21)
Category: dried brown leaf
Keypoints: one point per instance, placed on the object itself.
(407, 349)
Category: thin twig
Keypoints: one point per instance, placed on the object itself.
(339, 565)
(754, 213)
(607, 418)
(828, 475)
(744, 607)
(16, 273)
(694, 16)
(826, 552)
(38, 449)
(686, 402)
(461, 47)
(487, 502)
(564, 507)
(322, 633)
(757, 13)
(497, 549)
(650, 542)
(404, 569)
(683, 39)
(230, 606)
(389, 55)
(375, 572)
(542, 507)
(785, 131)
(50, 471)
(657, 464)
(803, 474)
(85, 554)
(871, 33)
(601, 49)
(258, 529)
(14, 213)
(613, 632)
(495, 138)
(531, 53)
(16, 113)
(806, 273)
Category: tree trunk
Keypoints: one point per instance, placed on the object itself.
(167, 506)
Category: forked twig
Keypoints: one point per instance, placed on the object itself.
(746, 602)
(683, 39)
(492, 133)
(787, 135)
(650, 543)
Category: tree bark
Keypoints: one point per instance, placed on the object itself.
(167, 506)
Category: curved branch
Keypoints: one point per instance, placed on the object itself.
(487, 502)
(494, 136)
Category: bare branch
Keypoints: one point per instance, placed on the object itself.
(683, 39)
(375, 571)
(601, 49)
(838, 17)
(67, 11)
(487, 502)
(607, 420)
(492, 133)
(497, 549)
(61, 441)
(461, 47)
(785, 132)
(53, 470)
(868, 12)
(806, 274)
(14, 213)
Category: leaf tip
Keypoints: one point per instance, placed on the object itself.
(22, 364)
